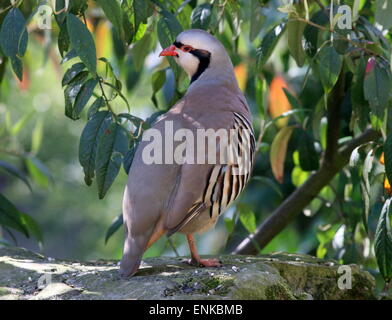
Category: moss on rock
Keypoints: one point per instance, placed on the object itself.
(274, 276)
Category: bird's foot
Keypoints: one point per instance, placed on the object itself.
(205, 263)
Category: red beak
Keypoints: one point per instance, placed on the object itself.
(169, 51)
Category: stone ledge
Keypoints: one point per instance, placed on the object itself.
(274, 276)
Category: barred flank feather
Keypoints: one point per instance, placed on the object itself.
(225, 182)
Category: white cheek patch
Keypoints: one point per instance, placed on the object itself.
(188, 62)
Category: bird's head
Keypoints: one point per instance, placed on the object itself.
(196, 50)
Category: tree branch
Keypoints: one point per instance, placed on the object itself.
(322, 7)
(302, 196)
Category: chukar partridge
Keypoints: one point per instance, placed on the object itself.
(188, 197)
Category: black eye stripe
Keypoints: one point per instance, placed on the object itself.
(201, 54)
(204, 57)
(178, 44)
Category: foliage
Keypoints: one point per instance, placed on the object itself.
(20, 164)
(318, 83)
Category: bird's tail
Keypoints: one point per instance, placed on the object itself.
(135, 246)
(133, 251)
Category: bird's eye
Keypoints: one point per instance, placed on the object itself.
(186, 48)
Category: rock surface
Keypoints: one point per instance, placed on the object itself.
(27, 275)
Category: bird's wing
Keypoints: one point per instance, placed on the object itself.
(211, 187)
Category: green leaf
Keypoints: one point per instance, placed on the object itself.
(360, 106)
(71, 92)
(17, 66)
(278, 152)
(256, 19)
(340, 40)
(388, 156)
(295, 29)
(292, 99)
(117, 89)
(11, 169)
(139, 51)
(376, 86)
(268, 44)
(129, 33)
(82, 41)
(94, 128)
(69, 56)
(3, 64)
(201, 16)
(168, 29)
(94, 108)
(247, 217)
(152, 119)
(112, 147)
(372, 34)
(60, 6)
(63, 40)
(11, 217)
(384, 13)
(260, 93)
(324, 237)
(270, 183)
(157, 80)
(21, 123)
(38, 171)
(84, 96)
(115, 225)
(127, 162)
(367, 168)
(132, 75)
(72, 72)
(142, 10)
(308, 157)
(229, 223)
(140, 32)
(233, 17)
(311, 33)
(329, 66)
(298, 176)
(136, 121)
(36, 137)
(33, 227)
(355, 157)
(13, 34)
(383, 242)
(113, 12)
(366, 206)
(78, 7)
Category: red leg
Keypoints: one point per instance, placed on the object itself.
(196, 258)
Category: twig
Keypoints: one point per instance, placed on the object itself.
(12, 153)
(355, 44)
(170, 241)
(5, 9)
(106, 99)
(321, 5)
